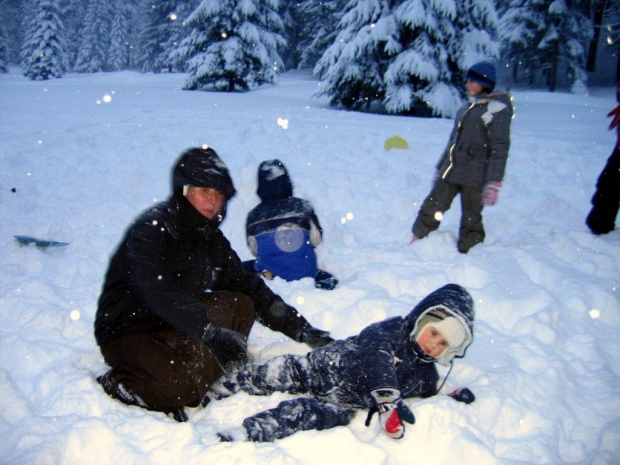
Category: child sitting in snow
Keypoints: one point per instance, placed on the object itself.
(387, 362)
(282, 231)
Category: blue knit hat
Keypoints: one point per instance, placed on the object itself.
(483, 73)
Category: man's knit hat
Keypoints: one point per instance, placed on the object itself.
(198, 167)
(483, 73)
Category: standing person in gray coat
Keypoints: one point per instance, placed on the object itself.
(474, 161)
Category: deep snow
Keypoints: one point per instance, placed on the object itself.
(86, 153)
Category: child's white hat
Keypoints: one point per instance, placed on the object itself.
(451, 329)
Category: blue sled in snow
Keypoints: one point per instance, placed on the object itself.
(25, 240)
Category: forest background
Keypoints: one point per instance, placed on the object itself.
(397, 56)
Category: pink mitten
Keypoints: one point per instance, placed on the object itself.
(615, 114)
(490, 193)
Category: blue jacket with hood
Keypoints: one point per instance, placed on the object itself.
(282, 231)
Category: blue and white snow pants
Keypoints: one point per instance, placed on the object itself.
(294, 375)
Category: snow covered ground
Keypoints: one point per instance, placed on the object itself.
(82, 155)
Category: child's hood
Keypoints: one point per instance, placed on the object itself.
(449, 300)
(274, 181)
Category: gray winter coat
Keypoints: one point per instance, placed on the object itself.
(478, 148)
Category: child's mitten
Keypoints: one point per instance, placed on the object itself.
(392, 416)
(392, 412)
(463, 394)
(490, 193)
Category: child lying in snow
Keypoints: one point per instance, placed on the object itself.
(375, 370)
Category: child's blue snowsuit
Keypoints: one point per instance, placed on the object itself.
(341, 376)
(282, 231)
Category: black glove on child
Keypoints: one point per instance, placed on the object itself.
(315, 338)
(229, 347)
(463, 394)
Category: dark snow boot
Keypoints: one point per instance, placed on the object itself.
(325, 280)
(118, 391)
(179, 415)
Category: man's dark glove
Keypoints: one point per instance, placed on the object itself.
(315, 338)
(229, 347)
(463, 394)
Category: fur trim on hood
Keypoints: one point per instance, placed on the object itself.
(451, 300)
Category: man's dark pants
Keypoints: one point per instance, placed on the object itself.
(166, 370)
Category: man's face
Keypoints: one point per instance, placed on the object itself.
(206, 200)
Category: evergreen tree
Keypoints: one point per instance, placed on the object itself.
(422, 77)
(233, 44)
(318, 29)
(565, 43)
(27, 9)
(43, 52)
(159, 17)
(94, 43)
(4, 52)
(612, 26)
(549, 36)
(178, 30)
(11, 14)
(521, 28)
(292, 21)
(163, 29)
(120, 36)
(353, 66)
(409, 55)
(72, 15)
(477, 36)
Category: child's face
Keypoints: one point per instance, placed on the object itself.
(432, 342)
(473, 88)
